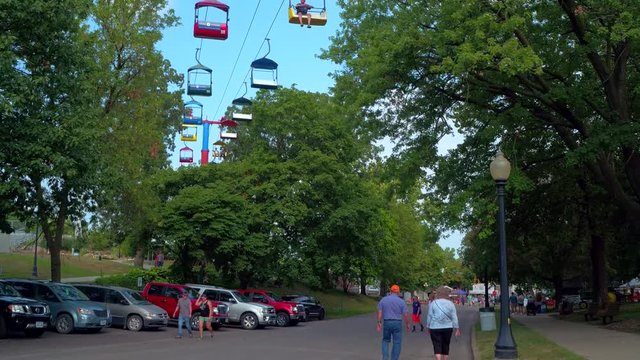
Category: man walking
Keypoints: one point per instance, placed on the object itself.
(392, 310)
(184, 307)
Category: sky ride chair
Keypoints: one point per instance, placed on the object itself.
(205, 28)
(189, 133)
(264, 72)
(318, 15)
(242, 108)
(192, 113)
(199, 87)
(186, 155)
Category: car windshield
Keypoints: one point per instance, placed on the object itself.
(135, 298)
(8, 290)
(68, 293)
(274, 296)
(193, 293)
(289, 297)
(240, 297)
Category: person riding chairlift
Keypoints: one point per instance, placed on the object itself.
(302, 8)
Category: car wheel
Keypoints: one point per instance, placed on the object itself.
(282, 319)
(249, 321)
(583, 305)
(33, 333)
(64, 324)
(321, 316)
(3, 329)
(135, 323)
(195, 321)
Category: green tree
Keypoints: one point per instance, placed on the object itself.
(560, 74)
(49, 124)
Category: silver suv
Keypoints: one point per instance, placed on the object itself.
(241, 311)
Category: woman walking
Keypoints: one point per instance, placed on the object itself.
(206, 314)
(442, 320)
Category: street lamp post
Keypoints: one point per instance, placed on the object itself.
(505, 347)
(34, 272)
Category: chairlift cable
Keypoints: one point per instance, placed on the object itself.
(246, 35)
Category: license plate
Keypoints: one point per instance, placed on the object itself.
(103, 322)
(39, 324)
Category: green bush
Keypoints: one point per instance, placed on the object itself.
(130, 279)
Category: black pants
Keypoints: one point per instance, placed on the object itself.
(441, 338)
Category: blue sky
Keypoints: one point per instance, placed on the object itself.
(295, 49)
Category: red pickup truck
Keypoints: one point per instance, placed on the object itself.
(166, 296)
(287, 312)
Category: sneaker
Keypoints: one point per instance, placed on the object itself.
(309, 26)
(178, 337)
(190, 335)
(301, 25)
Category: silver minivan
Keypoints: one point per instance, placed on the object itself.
(129, 310)
(241, 311)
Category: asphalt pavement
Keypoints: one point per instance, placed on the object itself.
(353, 338)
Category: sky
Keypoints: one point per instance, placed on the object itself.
(294, 48)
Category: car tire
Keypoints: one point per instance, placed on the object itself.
(64, 324)
(321, 316)
(33, 333)
(583, 305)
(3, 329)
(194, 322)
(135, 323)
(249, 321)
(282, 319)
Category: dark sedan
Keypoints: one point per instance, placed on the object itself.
(312, 306)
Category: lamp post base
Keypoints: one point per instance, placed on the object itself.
(506, 352)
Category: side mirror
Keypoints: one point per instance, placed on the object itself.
(124, 302)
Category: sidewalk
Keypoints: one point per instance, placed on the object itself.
(590, 341)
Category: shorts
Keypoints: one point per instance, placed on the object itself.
(205, 318)
(302, 11)
(441, 338)
(415, 318)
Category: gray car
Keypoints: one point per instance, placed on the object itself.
(241, 311)
(70, 308)
(129, 310)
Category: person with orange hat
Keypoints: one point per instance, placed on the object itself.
(392, 310)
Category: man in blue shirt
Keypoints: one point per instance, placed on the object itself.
(392, 310)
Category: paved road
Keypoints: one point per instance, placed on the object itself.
(353, 338)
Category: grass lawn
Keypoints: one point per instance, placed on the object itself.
(20, 265)
(531, 345)
(336, 303)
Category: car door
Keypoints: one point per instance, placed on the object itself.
(234, 310)
(314, 306)
(155, 295)
(46, 295)
(119, 307)
(170, 299)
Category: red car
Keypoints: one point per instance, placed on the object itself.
(287, 312)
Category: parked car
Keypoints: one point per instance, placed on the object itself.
(288, 313)
(21, 314)
(166, 296)
(312, 307)
(242, 311)
(129, 310)
(70, 308)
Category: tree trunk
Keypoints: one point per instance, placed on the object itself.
(598, 268)
(138, 260)
(363, 286)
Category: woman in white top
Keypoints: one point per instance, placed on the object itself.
(442, 319)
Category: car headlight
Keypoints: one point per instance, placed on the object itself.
(294, 309)
(265, 310)
(83, 311)
(47, 310)
(17, 309)
(215, 310)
